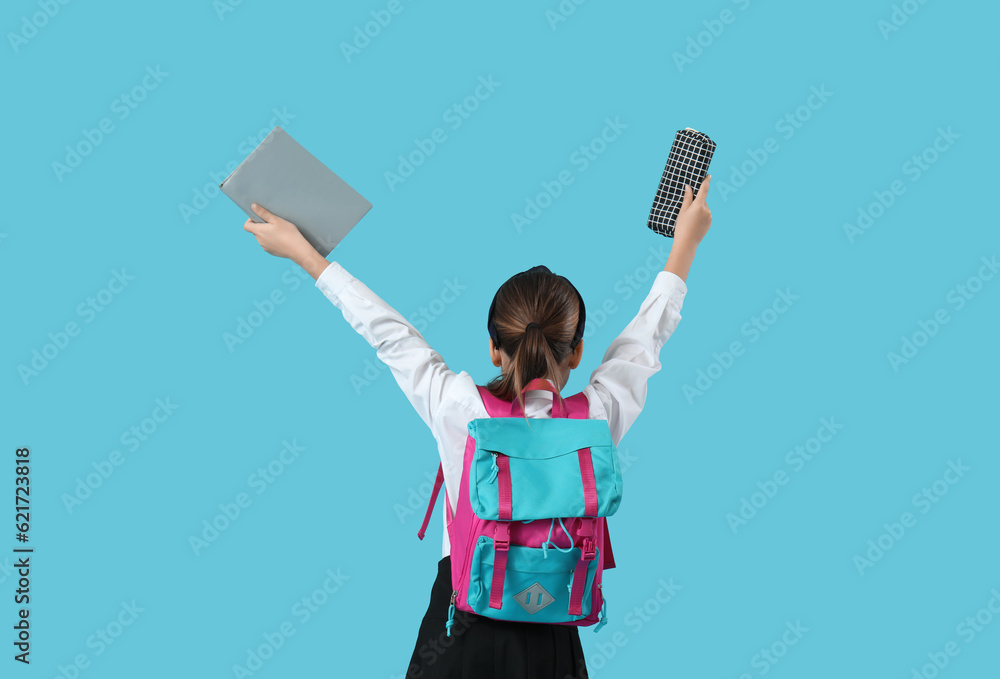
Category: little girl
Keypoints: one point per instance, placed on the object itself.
(536, 326)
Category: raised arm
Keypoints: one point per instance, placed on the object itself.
(632, 358)
(419, 370)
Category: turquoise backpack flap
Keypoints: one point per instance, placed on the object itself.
(545, 467)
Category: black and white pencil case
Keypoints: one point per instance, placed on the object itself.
(687, 163)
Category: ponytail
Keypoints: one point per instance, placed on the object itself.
(532, 358)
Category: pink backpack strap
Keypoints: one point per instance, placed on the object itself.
(609, 556)
(579, 408)
(577, 404)
(494, 406)
(430, 505)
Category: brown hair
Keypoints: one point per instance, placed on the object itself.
(533, 297)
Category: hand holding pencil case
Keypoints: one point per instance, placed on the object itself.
(687, 163)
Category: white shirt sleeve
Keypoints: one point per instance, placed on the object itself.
(419, 370)
(619, 383)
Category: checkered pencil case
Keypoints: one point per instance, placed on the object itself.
(687, 163)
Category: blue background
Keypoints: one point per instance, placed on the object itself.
(142, 200)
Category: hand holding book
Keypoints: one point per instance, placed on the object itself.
(281, 238)
(282, 175)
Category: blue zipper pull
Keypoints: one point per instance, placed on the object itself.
(603, 619)
(451, 613)
(494, 469)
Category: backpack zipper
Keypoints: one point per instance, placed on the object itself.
(451, 613)
(603, 619)
(494, 469)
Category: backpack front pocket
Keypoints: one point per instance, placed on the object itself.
(544, 469)
(536, 586)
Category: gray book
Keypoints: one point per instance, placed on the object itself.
(283, 177)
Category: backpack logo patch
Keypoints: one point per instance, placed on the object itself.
(534, 598)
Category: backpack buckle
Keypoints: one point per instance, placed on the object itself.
(501, 537)
(589, 543)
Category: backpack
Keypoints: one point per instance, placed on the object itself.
(529, 538)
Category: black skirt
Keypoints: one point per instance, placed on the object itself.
(483, 648)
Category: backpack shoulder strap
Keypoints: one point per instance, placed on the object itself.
(495, 407)
(430, 505)
(609, 556)
(577, 404)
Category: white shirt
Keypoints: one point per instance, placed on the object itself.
(446, 401)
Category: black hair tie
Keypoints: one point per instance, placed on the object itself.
(531, 324)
